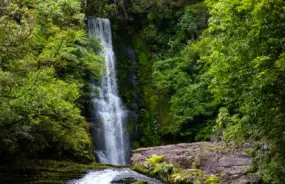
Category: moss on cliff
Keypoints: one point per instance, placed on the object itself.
(134, 70)
(152, 33)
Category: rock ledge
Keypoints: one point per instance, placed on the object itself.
(229, 165)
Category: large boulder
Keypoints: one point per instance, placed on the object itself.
(229, 165)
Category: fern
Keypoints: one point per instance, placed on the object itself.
(154, 159)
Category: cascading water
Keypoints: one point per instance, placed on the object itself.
(109, 129)
(108, 106)
(109, 176)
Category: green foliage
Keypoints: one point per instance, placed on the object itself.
(193, 176)
(103, 8)
(188, 22)
(181, 178)
(158, 169)
(162, 170)
(173, 173)
(172, 103)
(237, 65)
(245, 58)
(212, 180)
(184, 81)
(149, 100)
(42, 109)
(155, 159)
(229, 126)
(45, 55)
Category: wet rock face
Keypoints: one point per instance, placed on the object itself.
(212, 158)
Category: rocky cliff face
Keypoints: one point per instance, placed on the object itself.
(228, 165)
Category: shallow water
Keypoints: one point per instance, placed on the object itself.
(109, 176)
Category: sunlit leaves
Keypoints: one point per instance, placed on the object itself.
(45, 54)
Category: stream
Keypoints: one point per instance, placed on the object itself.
(113, 176)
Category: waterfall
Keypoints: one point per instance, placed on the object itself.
(111, 131)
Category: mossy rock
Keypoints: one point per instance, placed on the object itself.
(45, 171)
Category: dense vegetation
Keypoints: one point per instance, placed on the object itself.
(244, 48)
(205, 69)
(225, 76)
(45, 56)
(159, 31)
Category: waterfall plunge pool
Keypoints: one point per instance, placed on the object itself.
(113, 176)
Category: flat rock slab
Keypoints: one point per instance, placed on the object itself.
(211, 157)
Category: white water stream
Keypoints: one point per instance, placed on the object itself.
(109, 110)
(109, 176)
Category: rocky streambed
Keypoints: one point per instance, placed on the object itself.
(204, 162)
